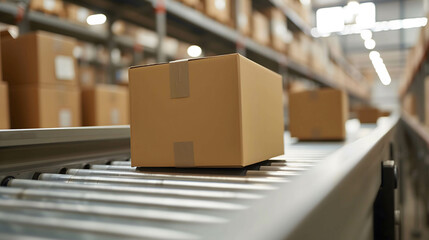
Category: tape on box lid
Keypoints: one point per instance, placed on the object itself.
(184, 154)
(179, 79)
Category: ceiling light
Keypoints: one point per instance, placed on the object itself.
(366, 34)
(96, 19)
(373, 55)
(369, 44)
(194, 51)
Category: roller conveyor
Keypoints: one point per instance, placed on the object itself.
(82, 186)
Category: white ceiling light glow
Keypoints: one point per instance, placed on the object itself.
(366, 34)
(96, 19)
(380, 68)
(369, 44)
(194, 51)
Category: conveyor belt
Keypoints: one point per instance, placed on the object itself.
(106, 198)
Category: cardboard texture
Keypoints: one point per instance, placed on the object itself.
(426, 103)
(318, 114)
(232, 116)
(87, 76)
(54, 7)
(197, 4)
(279, 32)
(105, 105)
(368, 114)
(261, 28)
(219, 10)
(244, 21)
(4, 106)
(39, 57)
(35, 106)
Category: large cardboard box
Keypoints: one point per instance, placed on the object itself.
(222, 111)
(77, 14)
(53, 7)
(244, 22)
(37, 106)
(318, 114)
(280, 37)
(4, 106)
(87, 76)
(220, 10)
(368, 114)
(38, 57)
(261, 28)
(105, 105)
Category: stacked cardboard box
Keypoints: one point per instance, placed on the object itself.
(4, 106)
(244, 21)
(426, 103)
(261, 28)
(87, 75)
(280, 36)
(77, 14)
(105, 105)
(223, 111)
(52, 7)
(42, 75)
(367, 114)
(318, 114)
(221, 10)
(299, 49)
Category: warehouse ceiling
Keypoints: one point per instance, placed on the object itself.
(392, 45)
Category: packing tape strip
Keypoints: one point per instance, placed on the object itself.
(184, 154)
(179, 79)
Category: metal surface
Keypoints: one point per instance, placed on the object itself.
(294, 194)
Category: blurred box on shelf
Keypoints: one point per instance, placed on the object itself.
(38, 57)
(410, 104)
(87, 75)
(52, 7)
(122, 76)
(77, 14)
(44, 106)
(261, 28)
(299, 49)
(221, 10)
(367, 114)
(197, 4)
(244, 22)
(426, 99)
(105, 105)
(4, 106)
(280, 36)
(221, 111)
(318, 114)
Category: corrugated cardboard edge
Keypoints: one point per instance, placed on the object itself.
(240, 113)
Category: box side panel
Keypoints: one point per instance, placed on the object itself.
(317, 115)
(21, 64)
(24, 106)
(88, 107)
(4, 106)
(205, 124)
(111, 105)
(261, 112)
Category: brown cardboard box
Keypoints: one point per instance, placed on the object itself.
(197, 4)
(279, 32)
(219, 10)
(222, 111)
(38, 57)
(4, 106)
(318, 114)
(77, 14)
(244, 17)
(261, 28)
(54, 7)
(36, 106)
(105, 105)
(87, 76)
(409, 104)
(368, 114)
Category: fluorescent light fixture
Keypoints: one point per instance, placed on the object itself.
(330, 20)
(366, 34)
(369, 44)
(366, 16)
(194, 51)
(374, 55)
(380, 68)
(96, 19)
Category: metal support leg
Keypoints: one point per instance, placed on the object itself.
(161, 29)
(384, 205)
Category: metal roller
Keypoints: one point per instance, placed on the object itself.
(271, 173)
(120, 163)
(156, 183)
(147, 175)
(283, 168)
(139, 191)
(293, 164)
(113, 167)
(59, 228)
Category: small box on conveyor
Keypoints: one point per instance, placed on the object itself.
(222, 111)
(368, 114)
(318, 114)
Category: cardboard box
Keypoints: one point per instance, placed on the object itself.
(244, 23)
(222, 111)
(219, 10)
(36, 106)
(53, 7)
(368, 114)
(39, 57)
(280, 37)
(4, 106)
(105, 105)
(318, 114)
(261, 28)
(77, 14)
(87, 76)
(426, 103)
(197, 4)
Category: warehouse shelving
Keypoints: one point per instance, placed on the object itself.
(143, 14)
